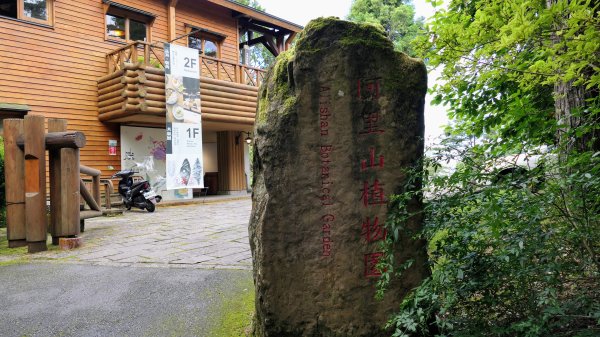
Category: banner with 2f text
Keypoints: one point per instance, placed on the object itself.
(184, 124)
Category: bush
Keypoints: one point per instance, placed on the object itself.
(519, 256)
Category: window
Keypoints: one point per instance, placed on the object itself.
(39, 11)
(204, 45)
(126, 24)
(206, 41)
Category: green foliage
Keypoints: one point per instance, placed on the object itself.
(512, 208)
(395, 17)
(503, 60)
(2, 193)
(516, 256)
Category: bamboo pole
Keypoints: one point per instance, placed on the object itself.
(35, 184)
(14, 174)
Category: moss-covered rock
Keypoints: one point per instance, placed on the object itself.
(339, 116)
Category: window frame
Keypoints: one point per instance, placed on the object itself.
(205, 35)
(127, 15)
(22, 17)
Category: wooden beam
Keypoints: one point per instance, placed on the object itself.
(59, 140)
(36, 223)
(271, 46)
(289, 40)
(171, 20)
(258, 15)
(14, 173)
(88, 197)
(252, 42)
(251, 26)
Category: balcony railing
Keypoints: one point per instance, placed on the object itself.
(148, 54)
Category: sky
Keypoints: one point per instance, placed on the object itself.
(301, 12)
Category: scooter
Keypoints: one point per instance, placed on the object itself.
(138, 194)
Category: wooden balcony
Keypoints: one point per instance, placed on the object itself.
(133, 92)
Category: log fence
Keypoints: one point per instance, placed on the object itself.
(25, 183)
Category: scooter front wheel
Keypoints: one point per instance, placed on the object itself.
(150, 206)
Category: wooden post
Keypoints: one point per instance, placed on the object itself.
(87, 196)
(14, 173)
(171, 20)
(64, 187)
(35, 184)
(96, 188)
(55, 125)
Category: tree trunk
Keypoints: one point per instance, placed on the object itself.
(570, 107)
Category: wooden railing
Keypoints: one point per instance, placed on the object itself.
(152, 55)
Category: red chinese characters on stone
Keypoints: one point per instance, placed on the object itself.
(371, 261)
(368, 88)
(372, 194)
(372, 231)
(373, 163)
(371, 124)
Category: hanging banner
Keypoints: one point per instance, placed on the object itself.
(184, 125)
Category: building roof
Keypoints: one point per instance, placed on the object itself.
(249, 12)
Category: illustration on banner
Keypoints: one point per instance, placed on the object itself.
(184, 123)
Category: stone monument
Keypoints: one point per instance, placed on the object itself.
(339, 119)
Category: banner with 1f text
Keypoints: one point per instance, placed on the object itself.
(184, 124)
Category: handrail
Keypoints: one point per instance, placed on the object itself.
(144, 53)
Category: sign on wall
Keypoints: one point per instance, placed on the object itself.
(184, 125)
(144, 151)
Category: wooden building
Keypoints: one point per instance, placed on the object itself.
(98, 64)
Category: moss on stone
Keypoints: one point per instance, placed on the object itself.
(277, 87)
(341, 33)
(236, 313)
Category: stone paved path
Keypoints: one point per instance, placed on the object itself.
(207, 236)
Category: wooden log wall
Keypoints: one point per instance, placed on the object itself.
(232, 176)
(141, 90)
(55, 70)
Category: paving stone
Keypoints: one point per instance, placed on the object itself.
(211, 235)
